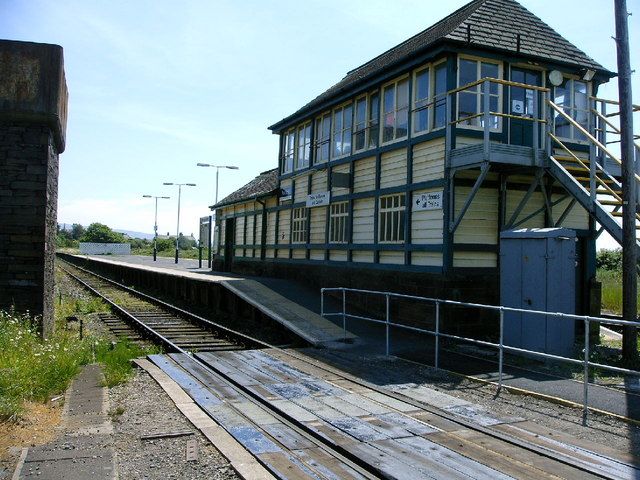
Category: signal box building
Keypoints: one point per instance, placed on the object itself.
(403, 175)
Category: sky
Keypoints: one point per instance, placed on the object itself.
(157, 86)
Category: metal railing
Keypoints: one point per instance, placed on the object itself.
(438, 334)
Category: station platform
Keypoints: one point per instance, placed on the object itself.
(286, 302)
(297, 307)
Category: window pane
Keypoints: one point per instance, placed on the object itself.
(580, 95)
(421, 121)
(401, 225)
(468, 72)
(326, 126)
(440, 79)
(489, 70)
(422, 85)
(402, 123)
(348, 116)
(403, 94)
(561, 96)
(389, 99)
(467, 105)
(361, 111)
(359, 140)
(346, 142)
(337, 120)
(389, 123)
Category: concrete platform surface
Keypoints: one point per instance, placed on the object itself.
(284, 301)
(85, 449)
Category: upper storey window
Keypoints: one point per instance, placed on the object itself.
(471, 100)
(342, 127)
(572, 97)
(395, 110)
(429, 98)
(439, 95)
(323, 138)
(304, 145)
(366, 121)
(288, 151)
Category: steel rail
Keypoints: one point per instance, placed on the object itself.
(502, 436)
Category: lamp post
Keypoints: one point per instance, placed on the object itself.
(155, 224)
(211, 222)
(180, 185)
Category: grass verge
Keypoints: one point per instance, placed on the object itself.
(116, 359)
(33, 369)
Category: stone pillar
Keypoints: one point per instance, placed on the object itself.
(33, 116)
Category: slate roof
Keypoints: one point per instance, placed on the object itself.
(492, 24)
(264, 184)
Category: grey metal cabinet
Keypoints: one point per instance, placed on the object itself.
(538, 272)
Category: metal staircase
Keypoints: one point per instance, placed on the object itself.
(593, 180)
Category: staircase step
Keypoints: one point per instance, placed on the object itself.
(569, 168)
(614, 203)
(587, 179)
(604, 191)
(619, 214)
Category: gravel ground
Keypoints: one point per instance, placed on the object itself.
(141, 407)
(602, 429)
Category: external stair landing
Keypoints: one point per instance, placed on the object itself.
(293, 315)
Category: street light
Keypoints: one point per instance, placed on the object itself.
(155, 224)
(217, 167)
(178, 225)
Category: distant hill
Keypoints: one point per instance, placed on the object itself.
(132, 234)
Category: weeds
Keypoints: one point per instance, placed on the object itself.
(611, 290)
(116, 359)
(33, 369)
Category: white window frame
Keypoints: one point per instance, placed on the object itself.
(370, 126)
(396, 110)
(390, 210)
(319, 140)
(428, 103)
(571, 109)
(299, 225)
(338, 222)
(344, 135)
(476, 122)
(303, 146)
(288, 150)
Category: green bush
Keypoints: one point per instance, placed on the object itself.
(609, 259)
(100, 233)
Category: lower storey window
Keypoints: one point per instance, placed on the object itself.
(299, 227)
(391, 219)
(338, 222)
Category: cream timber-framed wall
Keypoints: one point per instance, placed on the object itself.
(366, 179)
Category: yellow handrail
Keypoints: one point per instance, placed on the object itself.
(616, 130)
(508, 83)
(583, 131)
(598, 179)
(613, 102)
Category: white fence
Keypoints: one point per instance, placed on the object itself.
(87, 248)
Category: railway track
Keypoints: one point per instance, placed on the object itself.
(137, 316)
(302, 418)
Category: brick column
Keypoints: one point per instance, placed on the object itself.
(33, 106)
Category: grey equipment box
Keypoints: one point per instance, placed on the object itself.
(538, 272)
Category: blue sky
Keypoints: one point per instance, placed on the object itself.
(157, 86)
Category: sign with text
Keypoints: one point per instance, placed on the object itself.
(318, 199)
(427, 201)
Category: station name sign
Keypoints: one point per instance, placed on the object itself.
(427, 201)
(318, 199)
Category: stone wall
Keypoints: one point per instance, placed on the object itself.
(28, 202)
(33, 109)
